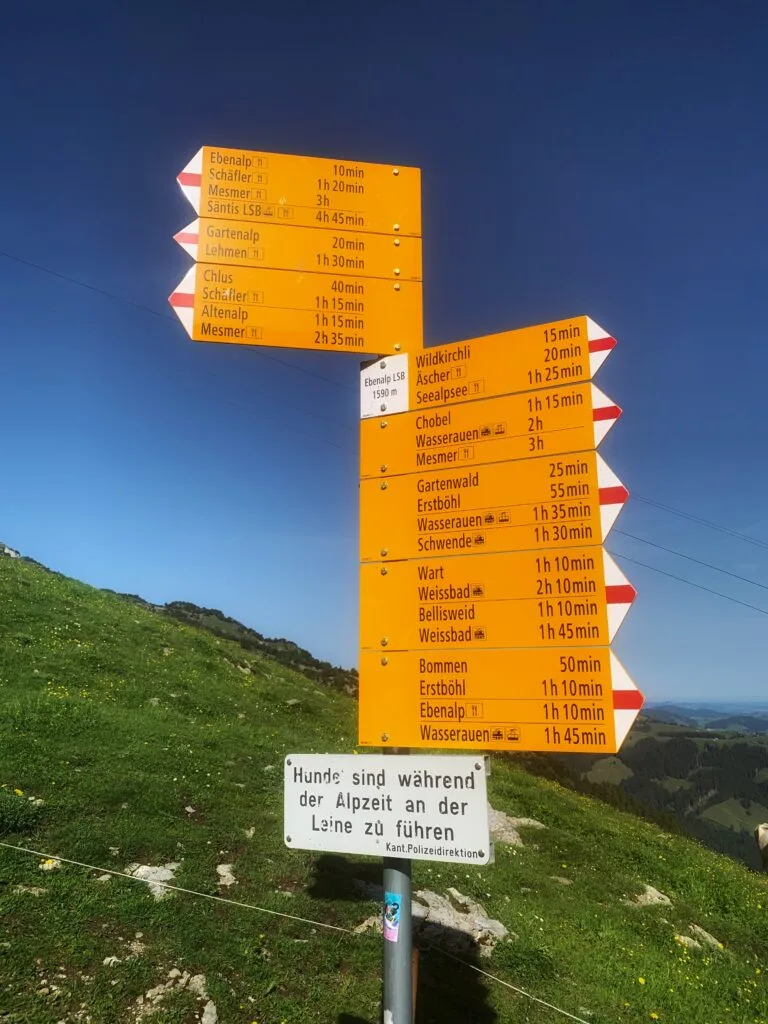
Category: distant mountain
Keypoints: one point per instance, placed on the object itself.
(672, 713)
(731, 717)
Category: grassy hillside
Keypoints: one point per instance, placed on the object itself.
(151, 741)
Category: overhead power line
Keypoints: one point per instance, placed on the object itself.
(300, 369)
(163, 316)
(690, 583)
(172, 319)
(690, 558)
(702, 522)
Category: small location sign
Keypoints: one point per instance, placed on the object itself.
(553, 422)
(499, 506)
(535, 699)
(416, 807)
(285, 309)
(562, 352)
(346, 253)
(573, 597)
(250, 185)
(384, 386)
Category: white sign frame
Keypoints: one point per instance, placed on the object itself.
(348, 803)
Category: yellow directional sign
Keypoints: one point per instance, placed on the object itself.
(500, 506)
(278, 308)
(249, 185)
(520, 599)
(537, 699)
(552, 422)
(557, 353)
(487, 602)
(270, 245)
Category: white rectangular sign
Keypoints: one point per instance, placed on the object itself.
(384, 386)
(421, 807)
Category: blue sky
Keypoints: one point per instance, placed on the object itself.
(576, 158)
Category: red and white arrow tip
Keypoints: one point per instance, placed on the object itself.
(183, 299)
(619, 594)
(604, 413)
(191, 178)
(189, 237)
(601, 344)
(612, 493)
(627, 700)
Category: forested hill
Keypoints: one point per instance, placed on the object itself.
(284, 651)
(711, 785)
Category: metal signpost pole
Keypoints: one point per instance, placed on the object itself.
(399, 1000)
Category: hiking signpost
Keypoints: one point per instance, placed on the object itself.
(483, 580)
(487, 603)
(294, 309)
(460, 511)
(301, 252)
(306, 191)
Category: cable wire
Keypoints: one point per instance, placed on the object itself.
(177, 888)
(506, 984)
(164, 316)
(278, 913)
(172, 319)
(637, 497)
(681, 579)
(702, 522)
(690, 558)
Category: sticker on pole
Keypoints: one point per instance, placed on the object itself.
(416, 807)
(384, 387)
(392, 903)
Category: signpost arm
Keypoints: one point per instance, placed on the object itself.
(399, 1002)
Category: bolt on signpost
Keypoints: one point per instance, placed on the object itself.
(487, 603)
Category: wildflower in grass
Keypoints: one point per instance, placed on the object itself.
(641, 981)
(19, 792)
(654, 1015)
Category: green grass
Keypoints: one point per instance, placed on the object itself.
(733, 814)
(673, 785)
(118, 719)
(609, 769)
